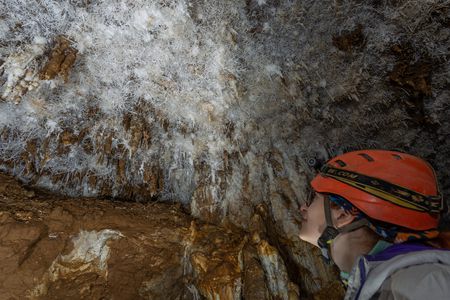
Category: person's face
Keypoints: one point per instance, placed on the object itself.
(313, 220)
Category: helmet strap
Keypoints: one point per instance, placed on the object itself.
(331, 232)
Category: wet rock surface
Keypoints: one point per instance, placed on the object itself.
(55, 248)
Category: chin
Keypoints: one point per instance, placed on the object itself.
(308, 238)
(304, 237)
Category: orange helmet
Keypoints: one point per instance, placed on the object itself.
(388, 186)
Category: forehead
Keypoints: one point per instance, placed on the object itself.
(318, 195)
(315, 198)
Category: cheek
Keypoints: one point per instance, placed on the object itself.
(317, 216)
(313, 227)
(309, 232)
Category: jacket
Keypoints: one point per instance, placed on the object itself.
(400, 272)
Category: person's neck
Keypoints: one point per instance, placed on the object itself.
(347, 247)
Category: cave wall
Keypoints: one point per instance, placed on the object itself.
(54, 247)
(227, 107)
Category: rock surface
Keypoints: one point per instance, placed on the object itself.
(55, 248)
(227, 107)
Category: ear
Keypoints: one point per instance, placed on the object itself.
(341, 217)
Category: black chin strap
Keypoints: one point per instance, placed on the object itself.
(330, 232)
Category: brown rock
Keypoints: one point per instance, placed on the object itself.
(84, 248)
(121, 170)
(414, 77)
(349, 41)
(61, 59)
(254, 277)
(67, 137)
(134, 251)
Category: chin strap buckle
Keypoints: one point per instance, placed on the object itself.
(324, 241)
(328, 235)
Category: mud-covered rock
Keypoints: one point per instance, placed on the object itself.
(57, 248)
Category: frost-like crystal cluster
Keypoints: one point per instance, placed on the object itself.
(222, 105)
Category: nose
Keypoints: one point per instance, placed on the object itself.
(303, 210)
(304, 207)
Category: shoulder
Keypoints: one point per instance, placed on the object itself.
(422, 281)
(393, 267)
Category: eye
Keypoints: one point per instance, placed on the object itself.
(310, 194)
